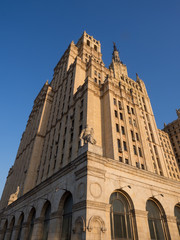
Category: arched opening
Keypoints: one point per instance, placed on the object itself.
(20, 224)
(11, 227)
(31, 219)
(156, 220)
(47, 215)
(177, 214)
(4, 229)
(121, 218)
(67, 218)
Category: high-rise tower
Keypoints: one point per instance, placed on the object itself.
(91, 164)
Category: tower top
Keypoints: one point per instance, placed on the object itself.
(115, 54)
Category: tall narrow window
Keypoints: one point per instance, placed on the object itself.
(155, 220)
(67, 218)
(121, 116)
(122, 130)
(177, 214)
(134, 148)
(114, 100)
(117, 127)
(128, 109)
(132, 136)
(140, 152)
(121, 218)
(125, 146)
(115, 113)
(46, 222)
(119, 145)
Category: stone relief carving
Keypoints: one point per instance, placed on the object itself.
(14, 196)
(87, 136)
(95, 189)
(94, 219)
(80, 221)
(81, 190)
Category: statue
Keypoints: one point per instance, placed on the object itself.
(87, 136)
(14, 196)
(137, 78)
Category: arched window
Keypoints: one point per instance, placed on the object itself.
(31, 223)
(21, 219)
(121, 218)
(11, 227)
(155, 220)
(4, 229)
(67, 218)
(46, 222)
(177, 214)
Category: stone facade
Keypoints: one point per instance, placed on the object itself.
(91, 141)
(173, 130)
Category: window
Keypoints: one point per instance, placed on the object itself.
(128, 109)
(121, 116)
(145, 108)
(114, 100)
(132, 110)
(142, 166)
(88, 43)
(115, 113)
(120, 159)
(134, 149)
(122, 130)
(140, 152)
(80, 129)
(67, 218)
(125, 146)
(137, 137)
(117, 127)
(132, 136)
(120, 217)
(46, 221)
(95, 80)
(155, 221)
(119, 145)
(119, 104)
(134, 122)
(95, 48)
(126, 161)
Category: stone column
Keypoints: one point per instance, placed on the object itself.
(55, 226)
(37, 230)
(24, 231)
(142, 225)
(15, 232)
(173, 229)
(1, 234)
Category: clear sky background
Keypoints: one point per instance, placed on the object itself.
(34, 35)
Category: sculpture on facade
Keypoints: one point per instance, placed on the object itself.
(87, 136)
(178, 112)
(14, 196)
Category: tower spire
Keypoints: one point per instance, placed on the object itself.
(115, 53)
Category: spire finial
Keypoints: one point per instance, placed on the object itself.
(114, 45)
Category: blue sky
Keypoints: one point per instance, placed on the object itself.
(35, 34)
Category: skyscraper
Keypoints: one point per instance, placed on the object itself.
(91, 164)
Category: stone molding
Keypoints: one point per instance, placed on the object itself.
(171, 219)
(96, 218)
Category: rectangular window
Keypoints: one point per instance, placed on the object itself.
(140, 152)
(117, 127)
(80, 129)
(114, 100)
(128, 109)
(134, 148)
(145, 108)
(142, 166)
(122, 130)
(132, 110)
(137, 137)
(134, 122)
(119, 145)
(120, 106)
(132, 136)
(115, 113)
(125, 146)
(120, 159)
(126, 161)
(121, 116)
